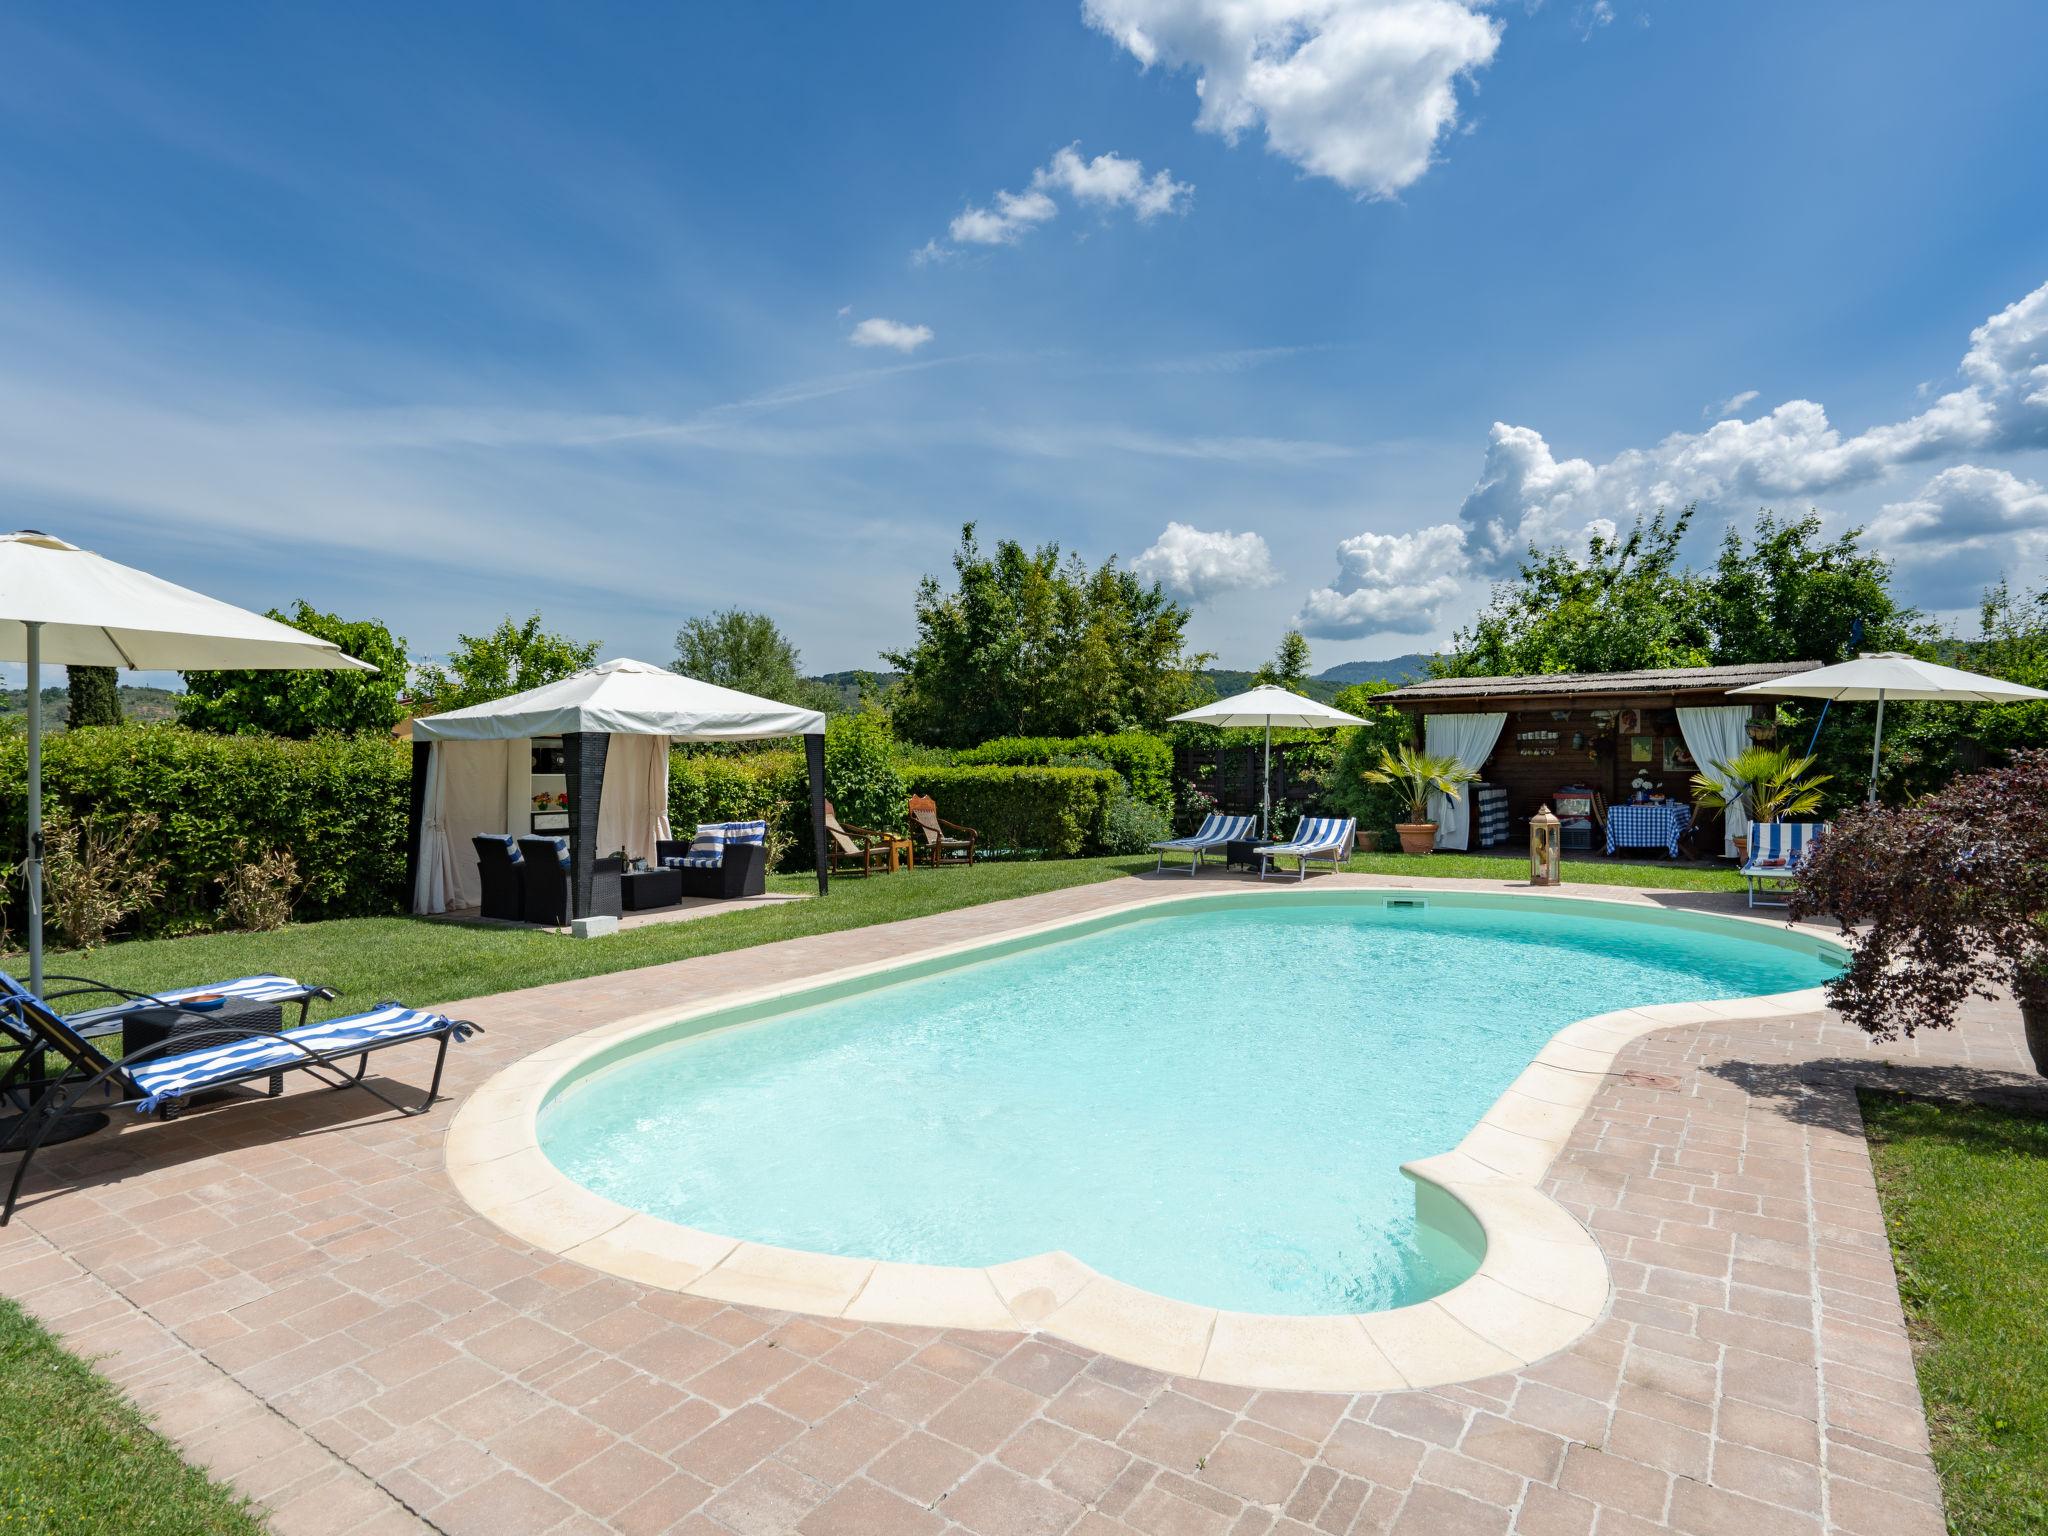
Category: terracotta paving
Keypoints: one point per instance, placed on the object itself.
(295, 1292)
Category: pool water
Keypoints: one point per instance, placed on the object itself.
(1212, 1104)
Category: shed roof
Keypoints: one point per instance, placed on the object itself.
(1671, 680)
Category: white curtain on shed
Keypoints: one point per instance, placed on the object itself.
(633, 810)
(1717, 735)
(1470, 739)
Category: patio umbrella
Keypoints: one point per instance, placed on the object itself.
(1269, 706)
(65, 605)
(1882, 675)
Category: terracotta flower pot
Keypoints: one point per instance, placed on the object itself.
(1416, 836)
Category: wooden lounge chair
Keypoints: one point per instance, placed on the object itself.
(928, 832)
(852, 846)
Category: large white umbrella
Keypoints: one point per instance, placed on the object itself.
(68, 606)
(1268, 706)
(1881, 675)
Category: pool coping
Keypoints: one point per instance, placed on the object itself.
(1541, 1284)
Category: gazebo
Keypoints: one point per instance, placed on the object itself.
(585, 758)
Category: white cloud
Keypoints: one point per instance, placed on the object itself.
(1359, 91)
(1396, 582)
(1113, 181)
(1526, 494)
(1967, 526)
(1965, 529)
(1200, 565)
(1014, 213)
(877, 332)
(1107, 181)
(1734, 405)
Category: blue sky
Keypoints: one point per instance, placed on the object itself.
(440, 313)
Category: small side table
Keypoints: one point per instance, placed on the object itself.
(198, 1031)
(1242, 855)
(902, 846)
(644, 889)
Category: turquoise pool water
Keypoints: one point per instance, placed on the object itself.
(1213, 1104)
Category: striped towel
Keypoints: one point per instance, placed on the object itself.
(173, 1077)
(746, 831)
(1491, 803)
(1214, 831)
(245, 989)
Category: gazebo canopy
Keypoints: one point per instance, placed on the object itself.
(623, 698)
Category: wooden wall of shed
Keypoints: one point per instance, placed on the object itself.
(1532, 771)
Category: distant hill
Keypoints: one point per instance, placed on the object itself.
(1398, 669)
(847, 684)
(137, 703)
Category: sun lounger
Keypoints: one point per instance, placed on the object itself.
(1776, 850)
(1214, 832)
(1318, 837)
(160, 1078)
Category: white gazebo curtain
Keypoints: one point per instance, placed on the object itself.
(1470, 739)
(632, 813)
(1716, 735)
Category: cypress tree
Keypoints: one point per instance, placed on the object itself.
(95, 697)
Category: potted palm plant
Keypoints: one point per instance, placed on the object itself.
(1765, 783)
(1417, 775)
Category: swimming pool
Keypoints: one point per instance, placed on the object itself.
(1210, 1100)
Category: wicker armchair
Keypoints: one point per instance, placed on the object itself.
(502, 874)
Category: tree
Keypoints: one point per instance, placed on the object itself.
(1930, 742)
(95, 697)
(1788, 596)
(1627, 606)
(510, 659)
(304, 704)
(1029, 645)
(1289, 667)
(737, 649)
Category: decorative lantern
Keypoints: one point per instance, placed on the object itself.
(1546, 843)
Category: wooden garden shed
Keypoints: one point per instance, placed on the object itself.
(1532, 736)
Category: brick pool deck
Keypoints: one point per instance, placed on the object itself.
(298, 1296)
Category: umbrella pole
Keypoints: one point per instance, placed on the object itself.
(1876, 742)
(32, 873)
(1266, 787)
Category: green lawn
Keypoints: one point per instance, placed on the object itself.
(76, 1456)
(1965, 1192)
(367, 959)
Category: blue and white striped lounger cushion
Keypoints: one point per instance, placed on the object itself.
(173, 1077)
(1214, 831)
(244, 989)
(707, 847)
(1316, 834)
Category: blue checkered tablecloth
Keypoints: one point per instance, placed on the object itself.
(1647, 826)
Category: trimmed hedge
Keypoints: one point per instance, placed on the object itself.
(336, 803)
(1049, 812)
(1146, 762)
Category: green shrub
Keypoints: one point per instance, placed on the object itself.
(338, 803)
(1133, 825)
(1046, 812)
(860, 771)
(1377, 807)
(1145, 762)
